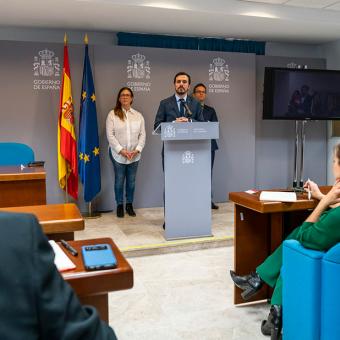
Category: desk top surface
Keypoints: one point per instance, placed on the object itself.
(15, 173)
(252, 201)
(54, 218)
(99, 281)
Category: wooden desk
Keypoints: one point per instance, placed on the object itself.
(22, 187)
(92, 287)
(57, 220)
(259, 228)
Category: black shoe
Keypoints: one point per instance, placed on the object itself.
(129, 209)
(164, 225)
(214, 206)
(276, 311)
(250, 284)
(120, 210)
(267, 325)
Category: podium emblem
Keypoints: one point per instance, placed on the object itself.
(188, 157)
(169, 132)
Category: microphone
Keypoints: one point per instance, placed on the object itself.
(187, 110)
(157, 130)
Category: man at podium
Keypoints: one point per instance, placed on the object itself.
(179, 107)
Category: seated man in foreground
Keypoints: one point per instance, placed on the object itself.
(35, 301)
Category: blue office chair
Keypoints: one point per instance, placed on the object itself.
(15, 154)
(311, 295)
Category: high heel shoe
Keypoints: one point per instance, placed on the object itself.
(250, 284)
(276, 311)
(267, 325)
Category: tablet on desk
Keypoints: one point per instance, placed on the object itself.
(98, 256)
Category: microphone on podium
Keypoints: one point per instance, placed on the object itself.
(188, 112)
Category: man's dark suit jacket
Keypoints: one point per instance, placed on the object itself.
(168, 110)
(209, 115)
(35, 301)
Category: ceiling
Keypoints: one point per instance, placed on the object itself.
(307, 21)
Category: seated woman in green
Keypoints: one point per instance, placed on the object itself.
(320, 231)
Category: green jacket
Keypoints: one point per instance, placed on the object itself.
(321, 235)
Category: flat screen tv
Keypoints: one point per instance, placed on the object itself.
(301, 94)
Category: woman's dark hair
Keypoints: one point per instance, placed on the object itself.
(337, 152)
(118, 108)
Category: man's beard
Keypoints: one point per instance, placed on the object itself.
(180, 91)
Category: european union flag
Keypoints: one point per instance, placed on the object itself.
(89, 163)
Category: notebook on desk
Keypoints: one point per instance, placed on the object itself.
(278, 196)
(61, 260)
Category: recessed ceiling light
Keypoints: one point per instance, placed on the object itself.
(166, 5)
(260, 15)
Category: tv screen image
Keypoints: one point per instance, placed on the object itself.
(300, 94)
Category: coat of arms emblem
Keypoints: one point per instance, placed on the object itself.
(218, 70)
(169, 132)
(46, 64)
(188, 157)
(138, 67)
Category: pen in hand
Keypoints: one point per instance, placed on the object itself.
(69, 248)
(309, 191)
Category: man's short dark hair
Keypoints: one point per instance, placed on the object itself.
(199, 85)
(182, 74)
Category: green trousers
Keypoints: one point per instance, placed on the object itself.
(321, 235)
(269, 270)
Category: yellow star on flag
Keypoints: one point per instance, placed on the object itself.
(93, 97)
(81, 156)
(86, 158)
(83, 95)
(96, 151)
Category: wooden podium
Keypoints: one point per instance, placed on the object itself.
(19, 187)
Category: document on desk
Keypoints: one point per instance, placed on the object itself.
(278, 196)
(61, 260)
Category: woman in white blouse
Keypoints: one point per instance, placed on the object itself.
(125, 131)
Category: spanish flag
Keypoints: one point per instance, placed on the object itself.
(67, 144)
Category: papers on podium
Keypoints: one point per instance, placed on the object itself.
(61, 260)
(278, 196)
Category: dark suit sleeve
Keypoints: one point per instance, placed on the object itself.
(160, 116)
(197, 112)
(61, 316)
(213, 115)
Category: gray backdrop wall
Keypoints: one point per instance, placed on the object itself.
(252, 152)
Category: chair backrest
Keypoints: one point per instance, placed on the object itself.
(15, 154)
(301, 286)
(311, 295)
(330, 293)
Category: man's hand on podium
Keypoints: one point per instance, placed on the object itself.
(182, 120)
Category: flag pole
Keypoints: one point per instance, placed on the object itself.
(90, 213)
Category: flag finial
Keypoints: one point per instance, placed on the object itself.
(65, 39)
(86, 39)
